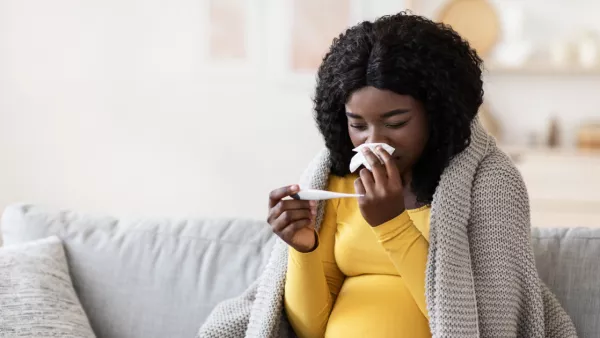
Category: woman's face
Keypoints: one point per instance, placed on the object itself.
(382, 116)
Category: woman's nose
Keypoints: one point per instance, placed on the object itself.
(376, 138)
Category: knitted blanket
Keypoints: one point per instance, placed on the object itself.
(481, 279)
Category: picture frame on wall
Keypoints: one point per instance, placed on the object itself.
(302, 32)
(232, 34)
(281, 40)
(227, 30)
(314, 24)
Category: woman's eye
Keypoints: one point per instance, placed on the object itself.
(358, 126)
(395, 125)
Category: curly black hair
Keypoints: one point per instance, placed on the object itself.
(409, 55)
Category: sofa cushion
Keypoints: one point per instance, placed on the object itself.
(568, 261)
(37, 298)
(148, 278)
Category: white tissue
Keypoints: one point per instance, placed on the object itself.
(359, 159)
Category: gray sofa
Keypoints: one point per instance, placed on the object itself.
(162, 277)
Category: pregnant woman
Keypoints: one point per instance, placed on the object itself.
(438, 245)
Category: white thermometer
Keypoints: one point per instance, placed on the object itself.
(317, 195)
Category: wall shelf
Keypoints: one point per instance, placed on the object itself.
(546, 151)
(540, 70)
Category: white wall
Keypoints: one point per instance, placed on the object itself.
(108, 106)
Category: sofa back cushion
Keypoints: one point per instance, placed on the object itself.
(148, 278)
(161, 278)
(568, 261)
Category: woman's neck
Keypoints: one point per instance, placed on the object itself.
(410, 198)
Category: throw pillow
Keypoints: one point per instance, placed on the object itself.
(37, 298)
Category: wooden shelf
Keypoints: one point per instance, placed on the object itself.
(546, 151)
(540, 70)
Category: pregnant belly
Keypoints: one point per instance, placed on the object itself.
(376, 306)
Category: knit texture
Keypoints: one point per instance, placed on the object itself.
(481, 279)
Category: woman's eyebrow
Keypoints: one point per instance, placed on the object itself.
(395, 112)
(384, 115)
(354, 116)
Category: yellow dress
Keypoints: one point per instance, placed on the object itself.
(361, 281)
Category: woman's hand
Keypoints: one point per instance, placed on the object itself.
(383, 197)
(292, 220)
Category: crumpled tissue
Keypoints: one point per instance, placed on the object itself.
(359, 159)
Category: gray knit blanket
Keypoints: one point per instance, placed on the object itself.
(481, 279)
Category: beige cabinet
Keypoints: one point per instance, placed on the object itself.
(564, 186)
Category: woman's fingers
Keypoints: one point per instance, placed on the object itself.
(360, 189)
(278, 194)
(291, 205)
(367, 180)
(290, 216)
(378, 169)
(292, 220)
(393, 174)
(285, 205)
(292, 228)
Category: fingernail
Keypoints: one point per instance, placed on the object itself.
(312, 203)
(294, 188)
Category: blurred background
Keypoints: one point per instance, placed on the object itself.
(200, 108)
